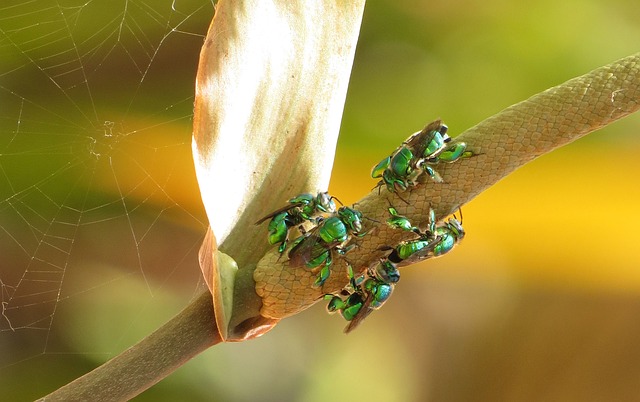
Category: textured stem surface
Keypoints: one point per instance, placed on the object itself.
(503, 143)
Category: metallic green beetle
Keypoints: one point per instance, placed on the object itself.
(400, 170)
(365, 293)
(398, 221)
(371, 290)
(433, 147)
(415, 156)
(450, 234)
(453, 152)
(315, 248)
(305, 207)
(430, 141)
(434, 242)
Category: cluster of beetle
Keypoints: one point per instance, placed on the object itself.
(333, 229)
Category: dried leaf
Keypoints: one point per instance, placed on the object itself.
(219, 272)
(270, 91)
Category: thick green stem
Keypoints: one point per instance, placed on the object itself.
(505, 142)
(502, 143)
(152, 359)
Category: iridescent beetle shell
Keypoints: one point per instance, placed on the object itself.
(314, 250)
(302, 208)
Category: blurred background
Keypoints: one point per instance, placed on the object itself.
(101, 221)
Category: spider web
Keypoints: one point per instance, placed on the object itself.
(96, 182)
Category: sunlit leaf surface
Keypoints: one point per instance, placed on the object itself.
(270, 91)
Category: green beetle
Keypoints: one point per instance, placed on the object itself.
(401, 169)
(398, 221)
(453, 152)
(304, 207)
(372, 289)
(415, 156)
(314, 249)
(430, 141)
(434, 242)
(430, 145)
(364, 294)
(450, 234)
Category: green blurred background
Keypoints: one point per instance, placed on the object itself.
(101, 219)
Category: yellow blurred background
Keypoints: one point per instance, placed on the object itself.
(539, 302)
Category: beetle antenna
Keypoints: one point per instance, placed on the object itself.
(371, 219)
(378, 186)
(390, 204)
(405, 201)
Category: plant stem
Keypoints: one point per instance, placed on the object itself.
(502, 143)
(187, 334)
(505, 142)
